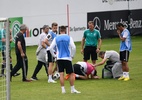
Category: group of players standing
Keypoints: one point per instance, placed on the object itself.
(61, 47)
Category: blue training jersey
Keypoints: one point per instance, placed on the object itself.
(62, 43)
(50, 36)
(65, 47)
(126, 45)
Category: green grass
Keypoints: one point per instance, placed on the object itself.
(103, 89)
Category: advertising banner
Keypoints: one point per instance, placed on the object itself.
(106, 21)
(15, 27)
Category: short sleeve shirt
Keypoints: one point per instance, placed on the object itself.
(112, 56)
(126, 45)
(20, 38)
(91, 37)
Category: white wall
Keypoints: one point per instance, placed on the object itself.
(36, 13)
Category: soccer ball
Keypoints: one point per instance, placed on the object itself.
(56, 76)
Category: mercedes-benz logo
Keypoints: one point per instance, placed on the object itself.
(97, 23)
(110, 2)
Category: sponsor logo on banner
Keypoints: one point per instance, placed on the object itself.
(97, 23)
(111, 2)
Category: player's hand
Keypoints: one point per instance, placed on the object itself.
(22, 55)
(82, 51)
(97, 50)
(118, 31)
(95, 65)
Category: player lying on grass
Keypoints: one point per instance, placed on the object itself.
(84, 70)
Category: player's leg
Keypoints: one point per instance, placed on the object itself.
(94, 57)
(51, 64)
(61, 71)
(11, 66)
(37, 69)
(86, 54)
(24, 65)
(93, 53)
(17, 66)
(124, 57)
(70, 71)
(79, 73)
(3, 63)
(46, 68)
(55, 68)
(2, 69)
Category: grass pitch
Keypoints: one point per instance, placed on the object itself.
(102, 89)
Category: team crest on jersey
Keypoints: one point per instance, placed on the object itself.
(94, 34)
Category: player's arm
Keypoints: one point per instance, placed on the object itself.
(101, 63)
(73, 47)
(82, 44)
(43, 44)
(99, 43)
(20, 48)
(92, 74)
(51, 48)
(124, 36)
(46, 42)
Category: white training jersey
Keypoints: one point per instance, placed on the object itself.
(41, 52)
(42, 37)
(83, 64)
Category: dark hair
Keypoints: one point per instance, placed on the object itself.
(91, 22)
(45, 26)
(101, 53)
(54, 24)
(119, 25)
(63, 28)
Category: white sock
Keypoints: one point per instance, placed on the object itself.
(124, 74)
(63, 89)
(76, 75)
(50, 77)
(127, 74)
(72, 88)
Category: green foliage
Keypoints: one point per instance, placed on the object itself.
(102, 89)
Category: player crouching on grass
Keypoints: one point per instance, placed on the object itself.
(113, 57)
(83, 70)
